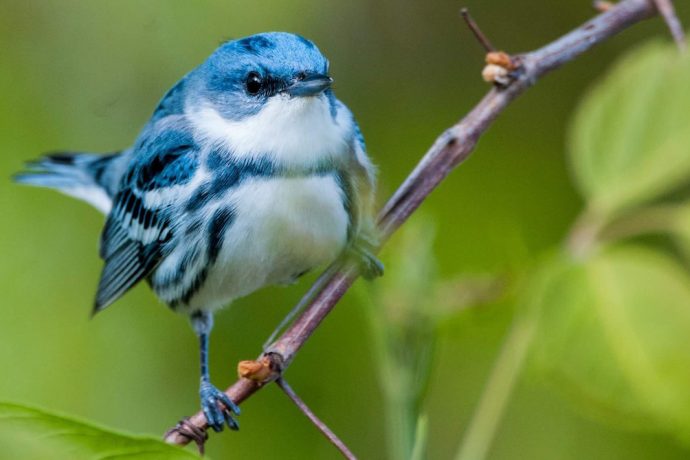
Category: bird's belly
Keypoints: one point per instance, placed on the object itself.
(282, 228)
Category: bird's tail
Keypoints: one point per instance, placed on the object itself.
(86, 176)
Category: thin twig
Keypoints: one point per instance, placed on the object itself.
(332, 438)
(667, 11)
(452, 148)
(477, 31)
(302, 304)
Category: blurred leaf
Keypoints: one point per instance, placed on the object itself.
(614, 334)
(467, 291)
(406, 291)
(681, 229)
(404, 332)
(406, 307)
(421, 438)
(68, 438)
(631, 136)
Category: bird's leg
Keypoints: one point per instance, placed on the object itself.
(217, 406)
(362, 251)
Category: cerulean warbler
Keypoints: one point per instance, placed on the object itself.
(249, 173)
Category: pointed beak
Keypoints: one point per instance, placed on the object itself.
(310, 84)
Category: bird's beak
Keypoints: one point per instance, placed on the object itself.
(311, 84)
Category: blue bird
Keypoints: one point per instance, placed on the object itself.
(249, 173)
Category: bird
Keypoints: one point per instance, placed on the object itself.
(249, 173)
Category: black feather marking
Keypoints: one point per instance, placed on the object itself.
(176, 276)
(131, 263)
(99, 167)
(125, 202)
(193, 288)
(149, 220)
(129, 258)
(171, 167)
(137, 234)
(137, 210)
(64, 158)
(229, 174)
(217, 227)
(194, 227)
(344, 182)
(112, 234)
(219, 224)
(199, 199)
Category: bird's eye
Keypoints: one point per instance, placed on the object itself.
(253, 83)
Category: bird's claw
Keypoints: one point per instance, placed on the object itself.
(190, 431)
(218, 408)
(370, 266)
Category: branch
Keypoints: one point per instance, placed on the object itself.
(451, 148)
(332, 438)
(665, 8)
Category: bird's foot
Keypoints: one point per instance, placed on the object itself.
(362, 252)
(370, 266)
(218, 408)
(190, 431)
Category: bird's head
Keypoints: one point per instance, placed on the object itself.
(243, 76)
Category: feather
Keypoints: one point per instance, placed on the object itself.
(136, 235)
(80, 175)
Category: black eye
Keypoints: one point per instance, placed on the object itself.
(253, 83)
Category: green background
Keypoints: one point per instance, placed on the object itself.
(85, 75)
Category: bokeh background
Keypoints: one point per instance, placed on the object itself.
(85, 75)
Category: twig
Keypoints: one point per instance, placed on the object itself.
(477, 31)
(667, 11)
(302, 304)
(332, 438)
(450, 149)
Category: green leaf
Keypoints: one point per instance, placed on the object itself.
(630, 142)
(614, 333)
(34, 433)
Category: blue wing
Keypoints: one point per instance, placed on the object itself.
(142, 220)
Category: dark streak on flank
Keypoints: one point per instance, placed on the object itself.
(219, 224)
(217, 227)
(194, 227)
(189, 259)
(199, 199)
(343, 181)
(193, 288)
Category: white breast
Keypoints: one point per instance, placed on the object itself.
(282, 228)
(293, 131)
